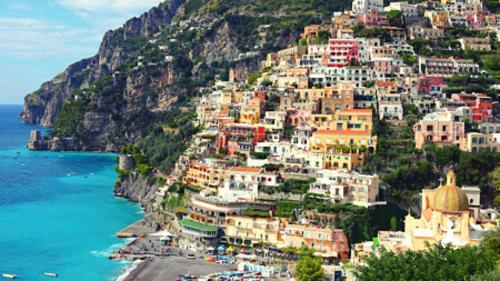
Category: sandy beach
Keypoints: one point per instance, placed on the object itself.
(168, 268)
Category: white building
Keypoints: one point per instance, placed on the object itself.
(357, 75)
(363, 6)
(408, 10)
(301, 136)
(242, 183)
(390, 106)
(347, 187)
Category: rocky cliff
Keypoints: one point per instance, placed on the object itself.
(154, 63)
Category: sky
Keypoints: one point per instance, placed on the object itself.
(40, 38)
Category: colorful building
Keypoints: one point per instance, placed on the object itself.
(343, 52)
(346, 160)
(331, 242)
(333, 140)
(236, 137)
(252, 230)
(431, 85)
(481, 104)
(372, 18)
(250, 112)
(440, 127)
(207, 176)
(475, 44)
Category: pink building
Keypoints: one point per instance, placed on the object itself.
(240, 138)
(372, 18)
(440, 127)
(430, 85)
(481, 104)
(298, 117)
(343, 52)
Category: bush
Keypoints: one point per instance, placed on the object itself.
(295, 186)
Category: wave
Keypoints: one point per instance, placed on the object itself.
(127, 271)
(106, 253)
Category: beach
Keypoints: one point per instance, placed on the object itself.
(169, 268)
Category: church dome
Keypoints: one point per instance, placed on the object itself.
(450, 197)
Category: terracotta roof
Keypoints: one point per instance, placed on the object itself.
(246, 169)
(341, 132)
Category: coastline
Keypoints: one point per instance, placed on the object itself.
(130, 270)
(61, 188)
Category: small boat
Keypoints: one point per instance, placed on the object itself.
(50, 274)
(9, 275)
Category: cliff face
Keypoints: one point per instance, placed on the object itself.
(42, 106)
(154, 63)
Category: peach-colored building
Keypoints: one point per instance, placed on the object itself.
(475, 44)
(322, 239)
(310, 31)
(440, 127)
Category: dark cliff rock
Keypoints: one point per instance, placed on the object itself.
(42, 106)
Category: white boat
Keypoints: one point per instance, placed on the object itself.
(9, 275)
(50, 274)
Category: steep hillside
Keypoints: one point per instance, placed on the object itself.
(151, 66)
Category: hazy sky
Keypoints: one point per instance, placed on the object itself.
(39, 38)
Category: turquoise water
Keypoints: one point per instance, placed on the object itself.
(57, 210)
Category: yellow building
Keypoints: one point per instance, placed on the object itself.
(343, 160)
(204, 176)
(250, 112)
(249, 230)
(322, 121)
(348, 119)
(439, 19)
(354, 119)
(446, 218)
(343, 91)
(333, 140)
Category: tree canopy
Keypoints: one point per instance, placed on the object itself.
(308, 267)
(437, 263)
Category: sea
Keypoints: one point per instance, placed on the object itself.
(57, 209)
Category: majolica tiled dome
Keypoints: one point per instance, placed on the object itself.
(449, 197)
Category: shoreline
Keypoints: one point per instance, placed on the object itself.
(130, 269)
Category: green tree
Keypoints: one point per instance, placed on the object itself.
(436, 263)
(395, 18)
(491, 241)
(495, 182)
(487, 276)
(308, 267)
(409, 59)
